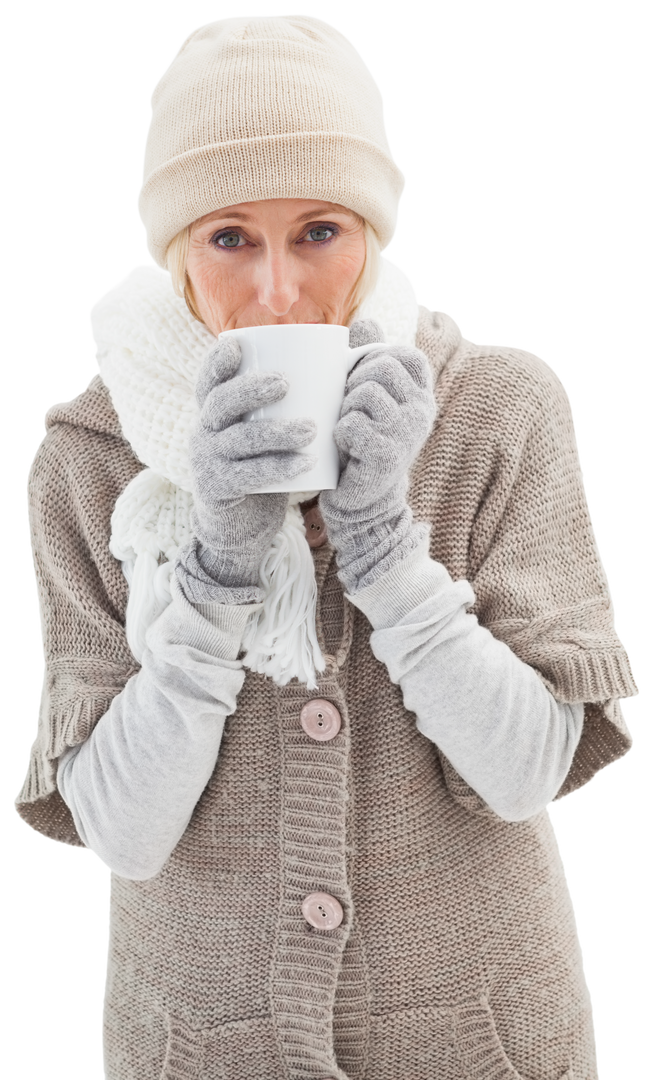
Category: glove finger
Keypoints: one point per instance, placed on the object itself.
(407, 422)
(417, 365)
(412, 361)
(254, 437)
(281, 466)
(391, 445)
(358, 437)
(245, 477)
(222, 362)
(387, 372)
(364, 331)
(372, 399)
(227, 403)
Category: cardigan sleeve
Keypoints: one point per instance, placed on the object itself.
(531, 555)
(133, 785)
(76, 477)
(482, 707)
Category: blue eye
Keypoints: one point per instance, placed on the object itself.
(319, 233)
(228, 240)
(231, 239)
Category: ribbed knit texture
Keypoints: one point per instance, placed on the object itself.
(457, 956)
(267, 108)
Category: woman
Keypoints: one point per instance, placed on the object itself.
(342, 868)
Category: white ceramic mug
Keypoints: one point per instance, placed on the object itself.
(316, 359)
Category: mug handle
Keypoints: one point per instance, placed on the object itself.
(357, 354)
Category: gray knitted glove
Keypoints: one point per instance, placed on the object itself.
(230, 458)
(385, 419)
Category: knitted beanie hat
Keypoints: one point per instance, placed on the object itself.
(266, 108)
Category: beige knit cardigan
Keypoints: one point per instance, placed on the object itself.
(457, 958)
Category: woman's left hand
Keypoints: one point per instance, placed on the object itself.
(386, 416)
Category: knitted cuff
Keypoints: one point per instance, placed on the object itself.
(366, 549)
(195, 568)
(222, 560)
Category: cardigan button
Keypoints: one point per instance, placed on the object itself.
(320, 719)
(316, 533)
(322, 910)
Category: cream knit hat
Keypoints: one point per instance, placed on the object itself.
(265, 109)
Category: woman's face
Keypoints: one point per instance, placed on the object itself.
(275, 261)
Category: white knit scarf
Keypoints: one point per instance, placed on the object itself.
(150, 351)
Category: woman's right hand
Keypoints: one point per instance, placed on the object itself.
(230, 458)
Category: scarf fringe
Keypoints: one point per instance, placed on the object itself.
(280, 640)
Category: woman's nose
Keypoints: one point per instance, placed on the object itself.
(278, 288)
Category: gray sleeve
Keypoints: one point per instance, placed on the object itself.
(132, 785)
(488, 711)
